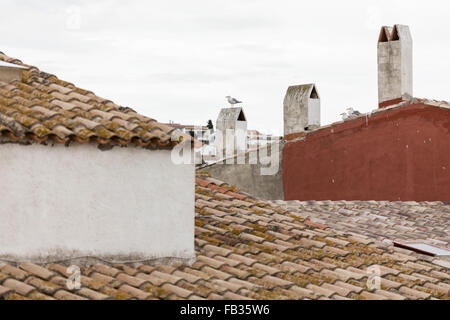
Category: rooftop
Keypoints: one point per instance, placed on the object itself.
(252, 249)
(43, 108)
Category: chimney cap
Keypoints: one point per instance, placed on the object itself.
(308, 90)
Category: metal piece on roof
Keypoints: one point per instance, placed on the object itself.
(423, 248)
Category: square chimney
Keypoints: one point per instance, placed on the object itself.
(395, 78)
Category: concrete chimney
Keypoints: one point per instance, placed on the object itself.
(394, 65)
(301, 108)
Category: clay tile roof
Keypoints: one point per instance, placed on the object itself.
(250, 249)
(42, 107)
(380, 220)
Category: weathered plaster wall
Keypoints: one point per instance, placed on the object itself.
(122, 204)
(399, 154)
(248, 177)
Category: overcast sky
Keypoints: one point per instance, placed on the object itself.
(177, 60)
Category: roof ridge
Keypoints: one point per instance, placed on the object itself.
(48, 91)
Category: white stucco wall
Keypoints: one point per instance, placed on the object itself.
(124, 204)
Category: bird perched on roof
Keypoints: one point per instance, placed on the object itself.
(232, 101)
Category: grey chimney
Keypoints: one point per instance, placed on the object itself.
(301, 108)
(394, 65)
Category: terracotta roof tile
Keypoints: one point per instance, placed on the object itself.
(113, 282)
(59, 269)
(153, 279)
(43, 286)
(5, 291)
(133, 281)
(135, 292)
(320, 290)
(442, 288)
(183, 293)
(106, 270)
(59, 281)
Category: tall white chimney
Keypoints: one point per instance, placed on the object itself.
(395, 77)
(10, 72)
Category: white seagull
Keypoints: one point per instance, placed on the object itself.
(350, 114)
(232, 100)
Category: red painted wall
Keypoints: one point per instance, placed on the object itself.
(399, 154)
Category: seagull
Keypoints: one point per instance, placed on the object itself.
(350, 114)
(232, 100)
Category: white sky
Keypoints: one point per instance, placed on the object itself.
(177, 60)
